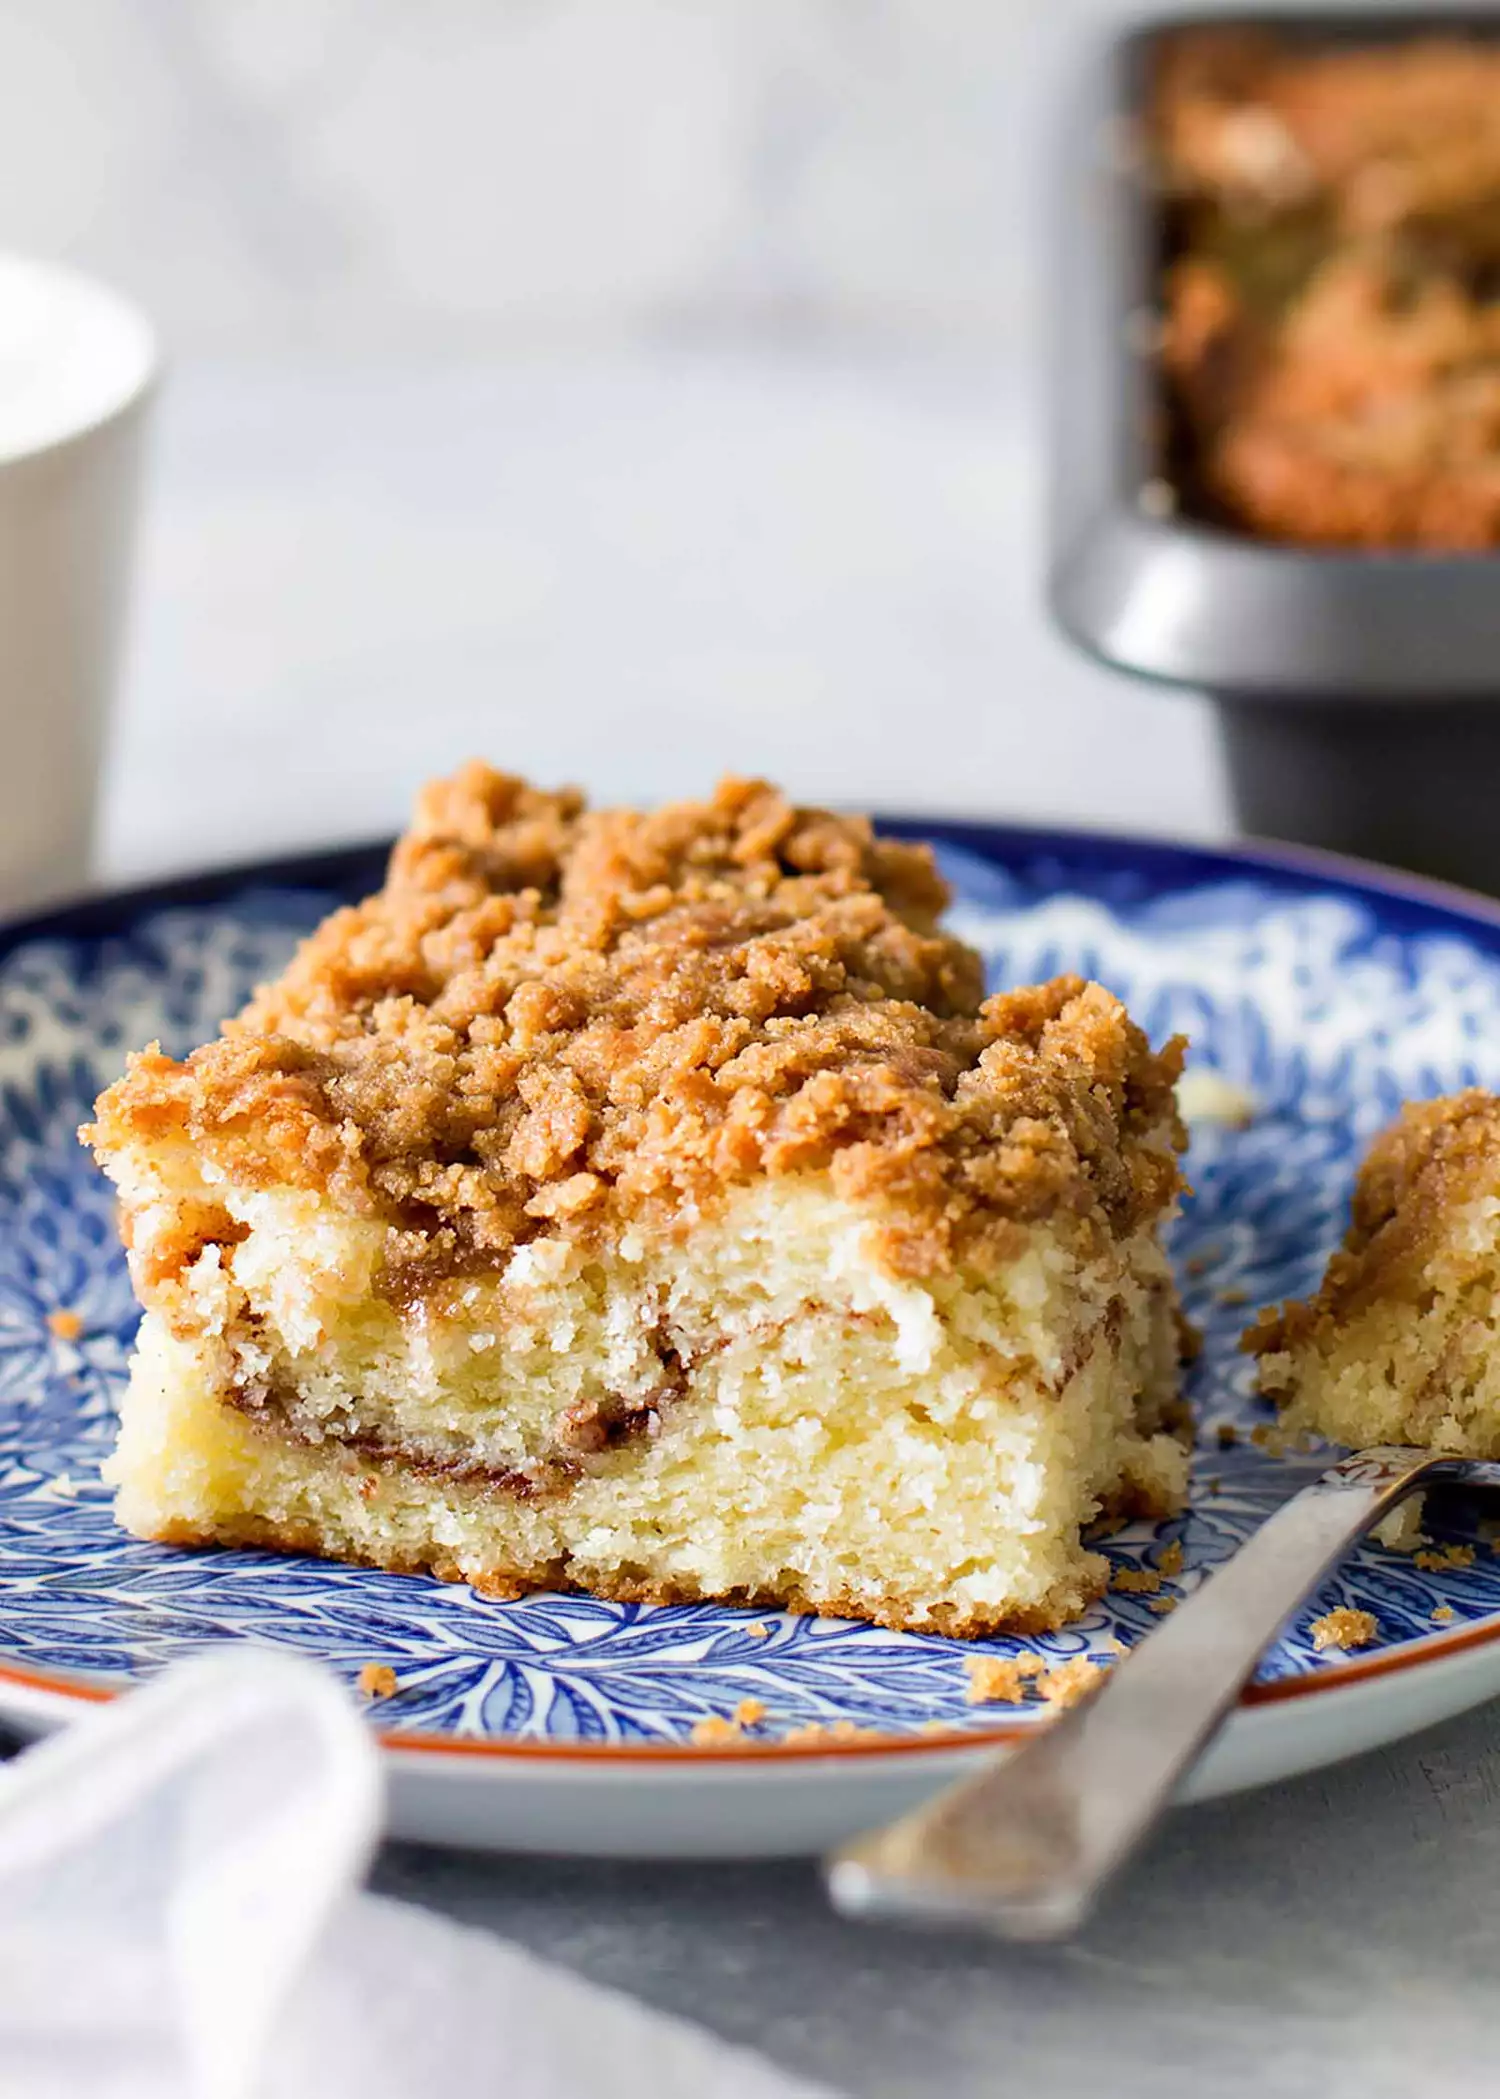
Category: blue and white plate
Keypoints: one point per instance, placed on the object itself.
(1327, 992)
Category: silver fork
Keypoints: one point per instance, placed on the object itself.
(1027, 1846)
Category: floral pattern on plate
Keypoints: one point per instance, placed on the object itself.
(1326, 1002)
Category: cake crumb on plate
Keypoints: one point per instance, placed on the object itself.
(715, 1730)
(1443, 1557)
(1070, 1681)
(831, 1732)
(1000, 1679)
(1207, 1096)
(378, 1680)
(1401, 1530)
(65, 1323)
(1343, 1628)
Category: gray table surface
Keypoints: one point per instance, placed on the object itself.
(636, 573)
(1329, 1936)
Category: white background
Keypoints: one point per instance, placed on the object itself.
(624, 389)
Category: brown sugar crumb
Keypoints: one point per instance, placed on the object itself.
(749, 1711)
(816, 1732)
(378, 1680)
(1444, 1614)
(1169, 1560)
(1343, 1628)
(1441, 1558)
(67, 1325)
(551, 1019)
(1164, 1605)
(1071, 1681)
(1136, 1581)
(1226, 1435)
(714, 1730)
(1000, 1679)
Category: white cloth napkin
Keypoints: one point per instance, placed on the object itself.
(180, 1919)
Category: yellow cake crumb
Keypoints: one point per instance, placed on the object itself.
(1170, 1558)
(1440, 1558)
(749, 1711)
(1444, 1614)
(1162, 1605)
(66, 1324)
(1205, 1096)
(760, 1630)
(1343, 1628)
(1400, 1530)
(715, 1730)
(1136, 1581)
(828, 1731)
(1000, 1679)
(378, 1680)
(1071, 1681)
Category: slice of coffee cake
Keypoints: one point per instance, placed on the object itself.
(1399, 1344)
(652, 1204)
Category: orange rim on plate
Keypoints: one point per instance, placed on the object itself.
(1338, 1675)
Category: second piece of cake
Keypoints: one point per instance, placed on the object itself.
(652, 1204)
(1401, 1344)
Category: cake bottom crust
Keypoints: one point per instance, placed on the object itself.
(508, 1585)
(506, 1582)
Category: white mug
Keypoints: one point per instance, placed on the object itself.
(77, 368)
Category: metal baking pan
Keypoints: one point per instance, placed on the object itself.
(1358, 693)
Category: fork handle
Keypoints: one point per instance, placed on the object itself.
(1027, 1845)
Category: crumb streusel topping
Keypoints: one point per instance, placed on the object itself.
(550, 1018)
(1435, 1156)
